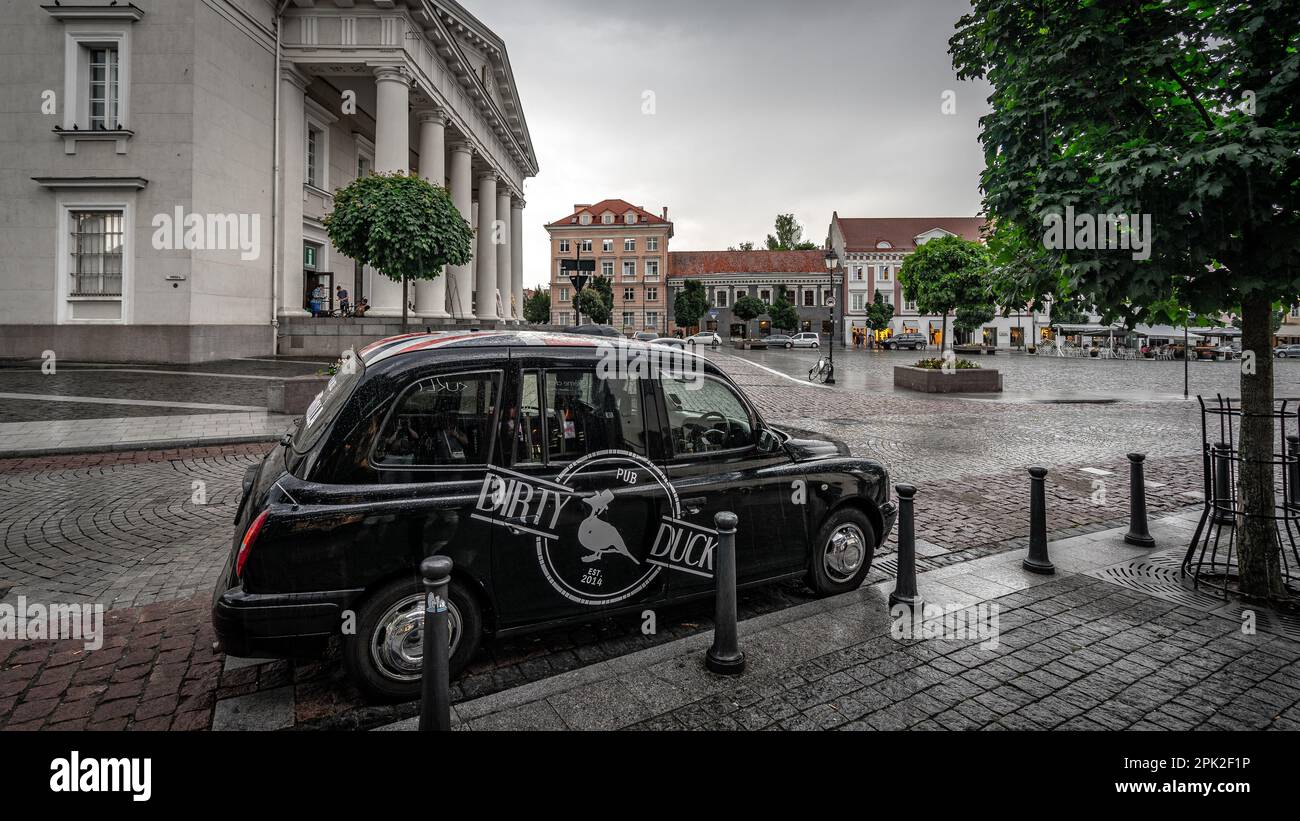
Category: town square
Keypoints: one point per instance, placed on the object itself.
(399, 366)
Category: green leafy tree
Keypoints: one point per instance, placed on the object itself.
(782, 311)
(591, 304)
(1067, 311)
(605, 287)
(402, 226)
(690, 303)
(879, 313)
(744, 246)
(537, 308)
(1186, 113)
(788, 236)
(947, 275)
(747, 308)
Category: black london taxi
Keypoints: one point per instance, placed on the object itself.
(568, 478)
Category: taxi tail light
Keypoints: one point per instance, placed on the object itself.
(246, 546)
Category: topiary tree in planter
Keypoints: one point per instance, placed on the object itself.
(748, 308)
(402, 226)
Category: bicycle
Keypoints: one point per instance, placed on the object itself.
(821, 371)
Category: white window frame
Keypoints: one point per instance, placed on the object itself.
(652, 270)
(652, 243)
(629, 269)
(607, 268)
(652, 294)
(586, 245)
(629, 243)
(607, 246)
(629, 295)
(607, 219)
(564, 246)
(315, 121)
(722, 297)
(63, 267)
(79, 39)
(765, 294)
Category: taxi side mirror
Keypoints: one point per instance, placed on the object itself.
(768, 442)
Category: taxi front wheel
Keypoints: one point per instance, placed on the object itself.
(842, 553)
(385, 655)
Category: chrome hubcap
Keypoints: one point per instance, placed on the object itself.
(846, 549)
(397, 645)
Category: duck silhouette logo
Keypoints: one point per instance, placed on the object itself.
(597, 535)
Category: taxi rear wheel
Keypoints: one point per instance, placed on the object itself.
(842, 553)
(384, 658)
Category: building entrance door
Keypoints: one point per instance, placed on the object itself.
(318, 291)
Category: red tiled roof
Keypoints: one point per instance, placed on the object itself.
(863, 234)
(703, 263)
(618, 207)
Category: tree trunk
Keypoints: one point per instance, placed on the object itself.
(1258, 550)
(405, 303)
(943, 333)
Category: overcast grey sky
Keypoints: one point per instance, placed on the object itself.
(760, 107)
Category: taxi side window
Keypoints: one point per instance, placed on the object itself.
(584, 414)
(521, 427)
(704, 416)
(441, 421)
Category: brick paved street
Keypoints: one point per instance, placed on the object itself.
(1072, 652)
(122, 529)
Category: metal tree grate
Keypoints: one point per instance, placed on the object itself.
(1160, 579)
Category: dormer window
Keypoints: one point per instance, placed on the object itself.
(884, 244)
(585, 219)
(630, 219)
(607, 219)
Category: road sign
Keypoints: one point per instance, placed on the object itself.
(578, 281)
(713, 313)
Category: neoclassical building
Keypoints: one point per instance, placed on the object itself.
(169, 164)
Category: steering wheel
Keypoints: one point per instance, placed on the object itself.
(713, 435)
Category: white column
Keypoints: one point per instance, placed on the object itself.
(461, 277)
(293, 162)
(517, 256)
(392, 153)
(485, 280)
(431, 295)
(502, 241)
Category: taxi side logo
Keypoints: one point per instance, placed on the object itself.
(624, 529)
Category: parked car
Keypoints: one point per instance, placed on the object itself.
(806, 340)
(710, 338)
(779, 341)
(645, 336)
(562, 492)
(898, 342)
(595, 330)
(670, 341)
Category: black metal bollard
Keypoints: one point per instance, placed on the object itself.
(435, 696)
(1038, 561)
(1222, 456)
(1293, 470)
(905, 582)
(1138, 534)
(724, 656)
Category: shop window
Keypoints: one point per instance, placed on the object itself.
(441, 421)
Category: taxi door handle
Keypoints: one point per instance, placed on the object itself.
(694, 504)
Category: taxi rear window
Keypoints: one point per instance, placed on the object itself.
(441, 421)
(327, 404)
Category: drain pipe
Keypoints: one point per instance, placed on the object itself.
(275, 189)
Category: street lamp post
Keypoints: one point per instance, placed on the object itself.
(830, 305)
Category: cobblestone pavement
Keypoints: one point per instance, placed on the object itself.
(1071, 652)
(1041, 378)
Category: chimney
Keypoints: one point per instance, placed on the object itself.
(581, 205)
(665, 213)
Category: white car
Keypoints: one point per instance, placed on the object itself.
(668, 341)
(704, 338)
(806, 340)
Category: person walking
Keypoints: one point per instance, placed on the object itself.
(342, 294)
